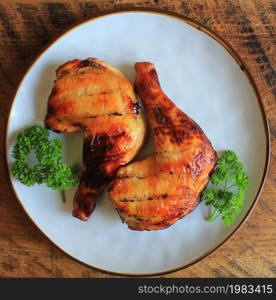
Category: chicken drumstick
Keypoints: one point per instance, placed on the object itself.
(156, 192)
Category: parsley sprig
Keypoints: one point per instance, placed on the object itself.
(225, 192)
(48, 170)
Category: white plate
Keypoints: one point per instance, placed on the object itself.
(203, 79)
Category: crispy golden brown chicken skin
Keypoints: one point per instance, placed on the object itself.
(156, 192)
(94, 97)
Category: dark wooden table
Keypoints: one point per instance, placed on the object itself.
(27, 26)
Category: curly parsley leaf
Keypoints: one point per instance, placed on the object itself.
(49, 170)
(225, 193)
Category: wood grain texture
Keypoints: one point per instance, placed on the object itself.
(249, 26)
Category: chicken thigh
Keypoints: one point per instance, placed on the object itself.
(96, 98)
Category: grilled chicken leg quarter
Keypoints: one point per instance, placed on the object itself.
(96, 98)
(156, 192)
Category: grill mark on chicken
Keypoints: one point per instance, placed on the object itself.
(145, 198)
(177, 173)
(100, 93)
(89, 63)
(139, 219)
(161, 117)
(176, 134)
(127, 200)
(115, 114)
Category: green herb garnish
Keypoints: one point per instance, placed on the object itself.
(225, 192)
(48, 170)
